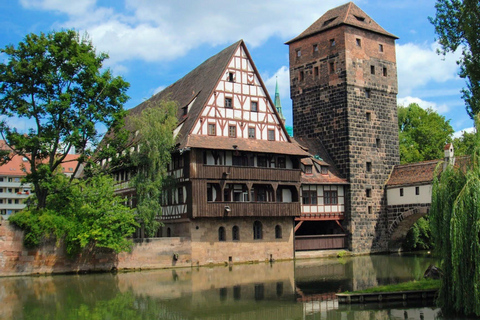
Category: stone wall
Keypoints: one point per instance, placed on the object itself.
(15, 259)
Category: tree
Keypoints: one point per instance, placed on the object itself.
(455, 223)
(464, 145)
(55, 81)
(82, 214)
(155, 127)
(457, 24)
(423, 133)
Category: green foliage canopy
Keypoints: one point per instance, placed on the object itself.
(457, 24)
(455, 224)
(422, 133)
(155, 127)
(84, 214)
(56, 83)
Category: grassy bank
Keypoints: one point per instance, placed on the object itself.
(424, 284)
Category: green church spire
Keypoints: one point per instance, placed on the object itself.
(278, 104)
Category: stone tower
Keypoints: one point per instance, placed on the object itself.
(343, 80)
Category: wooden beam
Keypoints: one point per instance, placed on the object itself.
(340, 225)
(297, 226)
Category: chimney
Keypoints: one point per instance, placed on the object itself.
(449, 158)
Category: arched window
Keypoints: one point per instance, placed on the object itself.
(257, 230)
(169, 232)
(278, 232)
(235, 233)
(221, 234)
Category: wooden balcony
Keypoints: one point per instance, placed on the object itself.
(246, 173)
(320, 242)
(246, 209)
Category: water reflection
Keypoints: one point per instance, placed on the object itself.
(282, 290)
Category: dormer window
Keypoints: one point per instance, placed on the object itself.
(308, 169)
(329, 21)
(361, 19)
(324, 170)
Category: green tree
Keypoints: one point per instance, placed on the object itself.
(422, 133)
(83, 214)
(457, 25)
(56, 83)
(155, 127)
(464, 145)
(455, 223)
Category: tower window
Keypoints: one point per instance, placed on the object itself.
(367, 93)
(372, 69)
(315, 72)
(315, 48)
(369, 209)
(211, 129)
(369, 116)
(332, 42)
(299, 53)
(228, 103)
(384, 71)
(359, 42)
(300, 76)
(332, 67)
(380, 47)
(368, 193)
(369, 167)
(254, 106)
(377, 143)
(230, 77)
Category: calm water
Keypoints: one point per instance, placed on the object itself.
(281, 290)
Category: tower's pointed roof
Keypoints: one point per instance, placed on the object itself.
(347, 14)
(278, 103)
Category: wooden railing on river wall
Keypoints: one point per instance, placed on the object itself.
(320, 242)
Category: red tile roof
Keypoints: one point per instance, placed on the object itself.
(347, 14)
(413, 173)
(17, 165)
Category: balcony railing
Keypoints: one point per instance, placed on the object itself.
(320, 242)
(246, 209)
(246, 173)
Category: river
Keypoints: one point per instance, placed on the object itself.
(302, 289)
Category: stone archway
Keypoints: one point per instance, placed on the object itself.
(398, 229)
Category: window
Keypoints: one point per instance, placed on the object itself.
(251, 133)
(221, 234)
(380, 47)
(377, 143)
(385, 71)
(300, 76)
(367, 93)
(417, 191)
(254, 106)
(330, 197)
(370, 210)
(315, 72)
(368, 115)
(332, 42)
(361, 19)
(231, 77)
(235, 233)
(278, 232)
(298, 53)
(261, 161)
(324, 170)
(332, 67)
(237, 292)
(271, 135)
(372, 69)
(401, 192)
(368, 193)
(211, 129)
(232, 131)
(315, 48)
(180, 196)
(281, 162)
(369, 167)
(359, 42)
(257, 230)
(309, 197)
(228, 103)
(308, 169)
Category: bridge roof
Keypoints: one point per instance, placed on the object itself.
(413, 173)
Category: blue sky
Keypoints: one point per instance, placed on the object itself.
(153, 43)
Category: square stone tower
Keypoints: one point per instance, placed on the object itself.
(343, 81)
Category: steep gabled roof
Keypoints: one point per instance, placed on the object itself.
(347, 14)
(195, 87)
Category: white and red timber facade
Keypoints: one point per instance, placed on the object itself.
(245, 190)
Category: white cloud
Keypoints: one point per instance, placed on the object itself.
(419, 66)
(459, 133)
(165, 30)
(405, 101)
